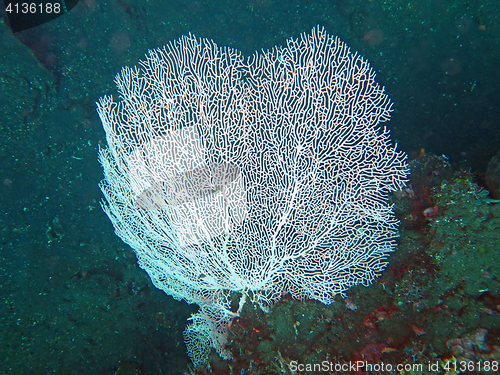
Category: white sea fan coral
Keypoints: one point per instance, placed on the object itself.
(251, 179)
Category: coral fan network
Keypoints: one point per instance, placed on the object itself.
(250, 179)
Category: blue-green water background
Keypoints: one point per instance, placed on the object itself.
(73, 299)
